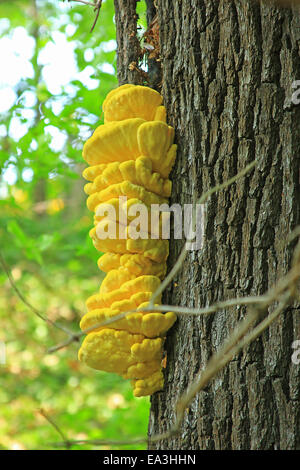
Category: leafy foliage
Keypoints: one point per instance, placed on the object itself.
(56, 77)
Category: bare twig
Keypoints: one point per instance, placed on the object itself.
(102, 442)
(284, 293)
(96, 5)
(161, 308)
(236, 342)
(167, 280)
(97, 9)
(227, 183)
(66, 442)
(25, 301)
(183, 253)
(208, 310)
(84, 2)
(64, 344)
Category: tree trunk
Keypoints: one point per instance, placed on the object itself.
(228, 69)
(128, 49)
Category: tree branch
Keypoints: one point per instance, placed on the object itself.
(26, 302)
(66, 442)
(102, 442)
(283, 292)
(96, 5)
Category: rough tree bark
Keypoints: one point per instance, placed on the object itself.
(128, 43)
(228, 68)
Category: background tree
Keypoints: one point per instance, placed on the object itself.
(227, 72)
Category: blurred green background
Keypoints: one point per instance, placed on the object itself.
(54, 77)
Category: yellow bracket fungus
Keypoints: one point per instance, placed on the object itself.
(137, 171)
(130, 155)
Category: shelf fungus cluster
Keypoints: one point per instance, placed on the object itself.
(130, 157)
